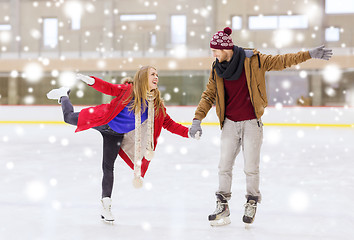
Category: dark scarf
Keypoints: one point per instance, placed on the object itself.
(231, 70)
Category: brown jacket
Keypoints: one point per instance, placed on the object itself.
(255, 68)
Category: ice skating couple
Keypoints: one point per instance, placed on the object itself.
(131, 123)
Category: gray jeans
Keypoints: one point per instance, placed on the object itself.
(247, 135)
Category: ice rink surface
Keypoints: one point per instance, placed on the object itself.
(50, 187)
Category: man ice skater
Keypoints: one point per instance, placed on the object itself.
(237, 86)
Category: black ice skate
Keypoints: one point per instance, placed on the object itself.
(250, 209)
(221, 214)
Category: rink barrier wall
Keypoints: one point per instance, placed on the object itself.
(204, 124)
(342, 117)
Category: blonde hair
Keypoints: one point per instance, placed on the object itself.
(140, 92)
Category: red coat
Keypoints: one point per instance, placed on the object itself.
(104, 113)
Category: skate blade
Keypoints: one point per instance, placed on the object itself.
(107, 221)
(111, 222)
(220, 222)
(248, 226)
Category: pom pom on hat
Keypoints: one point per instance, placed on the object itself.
(222, 40)
(228, 30)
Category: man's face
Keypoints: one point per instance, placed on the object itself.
(219, 54)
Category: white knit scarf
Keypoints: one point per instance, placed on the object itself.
(138, 156)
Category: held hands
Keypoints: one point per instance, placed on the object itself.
(321, 53)
(88, 80)
(195, 130)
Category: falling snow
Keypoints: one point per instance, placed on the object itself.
(33, 72)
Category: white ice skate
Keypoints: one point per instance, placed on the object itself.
(58, 93)
(106, 214)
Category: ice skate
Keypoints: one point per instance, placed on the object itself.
(106, 214)
(58, 93)
(250, 209)
(221, 215)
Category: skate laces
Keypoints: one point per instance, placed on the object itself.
(107, 208)
(108, 211)
(219, 207)
(250, 209)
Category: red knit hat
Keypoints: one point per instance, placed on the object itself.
(222, 40)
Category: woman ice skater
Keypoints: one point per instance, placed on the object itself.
(130, 124)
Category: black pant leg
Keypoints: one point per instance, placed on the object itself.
(111, 146)
(70, 116)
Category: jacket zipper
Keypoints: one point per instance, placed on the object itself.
(217, 95)
(252, 96)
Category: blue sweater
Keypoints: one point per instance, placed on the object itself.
(125, 120)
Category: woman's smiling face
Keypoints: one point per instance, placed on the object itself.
(153, 78)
